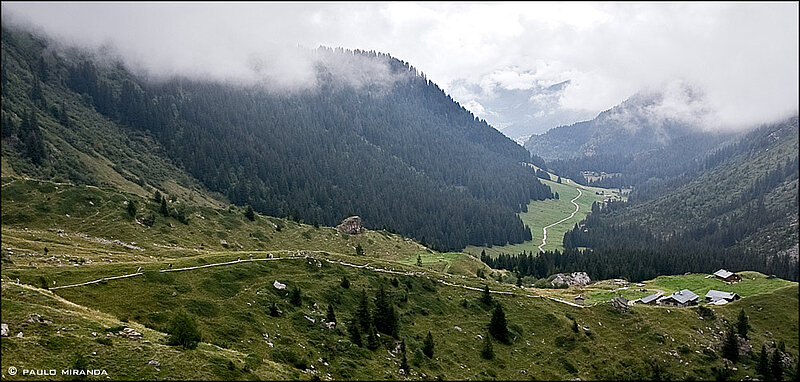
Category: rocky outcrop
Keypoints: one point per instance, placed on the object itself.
(4, 330)
(130, 333)
(351, 226)
(620, 304)
(575, 278)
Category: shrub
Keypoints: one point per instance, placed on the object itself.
(183, 331)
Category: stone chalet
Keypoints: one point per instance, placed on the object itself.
(681, 298)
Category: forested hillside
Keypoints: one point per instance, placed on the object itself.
(400, 153)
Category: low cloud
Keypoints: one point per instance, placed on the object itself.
(743, 56)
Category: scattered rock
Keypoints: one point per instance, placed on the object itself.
(330, 325)
(130, 333)
(153, 362)
(4, 330)
(19, 335)
(458, 328)
(278, 285)
(310, 319)
(37, 319)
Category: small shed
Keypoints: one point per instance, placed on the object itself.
(579, 299)
(715, 295)
(727, 276)
(681, 298)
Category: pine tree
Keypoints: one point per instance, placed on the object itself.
(427, 345)
(487, 352)
(498, 325)
(763, 362)
(486, 297)
(385, 317)
(132, 208)
(403, 360)
(730, 348)
(776, 366)
(345, 282)
(355, 332)
(295, 297)
(742, 324)
(372, 338)
(330, 316)
(419, 260)
(157, 197)
(362, 314)
(359, 250)
(163, 210)
(249, 213)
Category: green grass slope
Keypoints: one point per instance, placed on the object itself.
(542, 213)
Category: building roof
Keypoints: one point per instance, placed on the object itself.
(723, 273)
(717, 295)
(682, 296)
(650, 298)
(721, 301)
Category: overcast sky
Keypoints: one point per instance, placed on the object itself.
(743, 56)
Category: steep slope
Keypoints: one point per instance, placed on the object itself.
(744, 201)
(647, 120)
(394, 148)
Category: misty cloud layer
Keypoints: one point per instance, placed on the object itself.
(742, 57)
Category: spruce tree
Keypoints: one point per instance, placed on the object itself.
(419, 260)
(776, 366)
(498, 325)
(742, 324)
(730, 348)
(163, 210)
(427, 345)
(486, 297)
(249, 213)
(372, 338)
(355, 332)
(362, 314)
(404, 359)
(487, 352)
(295, 296)
(132, 208)
(385, 317)
(345, 282)
(763, 362)
(330, 316)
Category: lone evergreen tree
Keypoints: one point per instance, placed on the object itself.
(403, 360)
(295, 296)
(486, 297)
(163, 210)
(249, 213)
(183, 331)
(330, 316)
(345, 282)
(487, 352)
(419, 260)
(498, 325)
(359, 250)
(273, 310)
(157, 197)
(776, 366)
(730, 348)
(132, 208)
(427, 346)
(763, 362)
(742, 324)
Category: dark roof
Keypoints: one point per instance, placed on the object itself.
(716, 295)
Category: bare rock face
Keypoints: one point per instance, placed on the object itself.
(620, 304)
(351, 226)
(575, 278)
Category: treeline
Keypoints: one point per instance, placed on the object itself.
(401, 153)
(643, 263)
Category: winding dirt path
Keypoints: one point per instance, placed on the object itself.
(577, 207)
